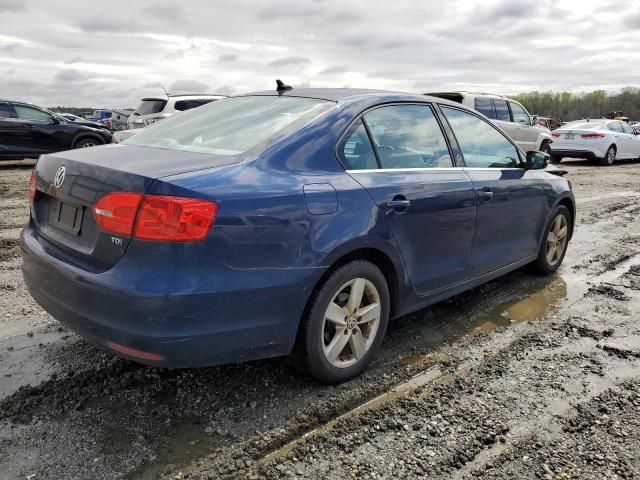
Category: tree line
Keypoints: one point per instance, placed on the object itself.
(567, 106)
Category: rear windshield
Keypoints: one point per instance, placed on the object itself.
(231, 126)
(182, 105)
(150, 105)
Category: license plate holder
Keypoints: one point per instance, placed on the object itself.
(569, 136)
(67, 217)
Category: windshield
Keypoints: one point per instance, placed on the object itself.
(150, 105)
(231, 126)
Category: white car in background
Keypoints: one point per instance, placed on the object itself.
(152, 110)
(508, 115)
(602, 139)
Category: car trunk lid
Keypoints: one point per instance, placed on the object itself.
(70, 183)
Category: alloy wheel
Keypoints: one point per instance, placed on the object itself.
(611, 156)
(557, 239)
(351, 323)
(88, 144)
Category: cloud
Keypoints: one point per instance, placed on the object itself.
(228, 57)
(73, 60)
(334, 69)
(70, 75)
(12, 6)
(188, 86)
(286, 61)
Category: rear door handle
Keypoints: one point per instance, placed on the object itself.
(398, 203)
(485, 194)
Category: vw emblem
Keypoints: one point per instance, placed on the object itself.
(58, 180)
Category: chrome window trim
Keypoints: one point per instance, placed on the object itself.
(435, 169)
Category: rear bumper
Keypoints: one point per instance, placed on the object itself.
(196, 315)
(591, 155)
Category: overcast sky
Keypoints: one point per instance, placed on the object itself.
(114, 52)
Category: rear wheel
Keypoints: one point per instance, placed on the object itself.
(609, 157)
(345, 323)
(556, 240)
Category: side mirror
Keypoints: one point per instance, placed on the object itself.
(534, 120)
(536, 161)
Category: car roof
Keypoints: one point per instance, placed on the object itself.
(344, 95)
(468, 92)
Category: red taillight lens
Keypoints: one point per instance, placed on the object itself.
(592, 135)
(33, 191)
(116, 212)
(174, 219)
(556, 135)
(155, 217)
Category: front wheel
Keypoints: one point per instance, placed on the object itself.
(345, 323)
(556, 240)
(86, 143)
(609, 157)
(546, 147)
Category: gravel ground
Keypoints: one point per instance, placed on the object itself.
(524, 377)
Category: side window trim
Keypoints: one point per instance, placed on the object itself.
(471, 112)
(370, 136)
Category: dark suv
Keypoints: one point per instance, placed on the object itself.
(29, 131)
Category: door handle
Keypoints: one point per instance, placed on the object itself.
(485, 194)
(399, 203)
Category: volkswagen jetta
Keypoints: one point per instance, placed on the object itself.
(288, 221)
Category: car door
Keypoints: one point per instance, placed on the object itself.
(524, 135)
(630, 141)
(8, 130)
(618, 137)
(511, 210)
(41, 132)
(502, 117)
(400, 155)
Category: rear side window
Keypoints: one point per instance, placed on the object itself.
(150, 105)
(6, 111)
(231, 126)
(357, 150)
(408, 136)
(483, 105)
(502, 110)
(481, 144)
(614, 127)
(182, 105)
(520, 115)
(626, 128)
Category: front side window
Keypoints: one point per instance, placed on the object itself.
(502, 110)
(357, 150)
(231, 126)
(626, 128)
(408, 136)
(520, 115)
(33, 114)
(483, 105)
(481, 144)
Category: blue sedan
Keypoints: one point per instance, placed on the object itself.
(294, 221)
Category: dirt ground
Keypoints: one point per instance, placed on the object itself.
(525, 377)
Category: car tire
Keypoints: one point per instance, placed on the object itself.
(609, 157)
(87, 142)
(336, 349)
(555, 242)
(545, 147)
(556, 159)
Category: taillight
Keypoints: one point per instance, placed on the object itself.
(33, 191)
(155, 217)
(556, 135)
(174, 219)
(592, 135)
(116, 212)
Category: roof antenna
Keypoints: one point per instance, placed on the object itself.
(165, 90)
(281, 87)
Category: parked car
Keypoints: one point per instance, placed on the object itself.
(297, 220)
(82, 121)
(602, 139)
(151, 110)
(29, 131)
(509, 115)
(548, 122)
